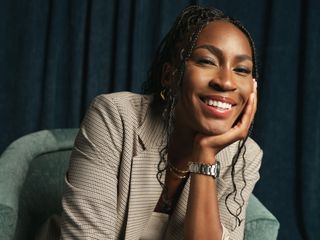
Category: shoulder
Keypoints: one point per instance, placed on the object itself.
(124, 104)
(251, 152)
(122, 100)
(112, 120)
(250, 159)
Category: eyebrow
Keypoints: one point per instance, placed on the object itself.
(216, 51)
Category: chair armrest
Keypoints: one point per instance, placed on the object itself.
(260, 223)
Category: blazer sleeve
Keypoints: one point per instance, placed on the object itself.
(90, 197)
(231, 230)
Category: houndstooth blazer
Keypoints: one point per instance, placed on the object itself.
(111, 185)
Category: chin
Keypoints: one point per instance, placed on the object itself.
(217, 126)
(216, 130)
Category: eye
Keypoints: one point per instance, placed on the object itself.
(206, 61)
(243, 70)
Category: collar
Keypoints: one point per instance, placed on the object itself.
(151, 132)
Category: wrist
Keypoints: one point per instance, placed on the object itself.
(205, 169)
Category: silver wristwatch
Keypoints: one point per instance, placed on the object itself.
(206, 169)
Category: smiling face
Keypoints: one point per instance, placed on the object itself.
(217, 80)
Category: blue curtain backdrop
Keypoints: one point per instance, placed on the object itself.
(56, 55)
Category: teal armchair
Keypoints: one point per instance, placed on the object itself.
(32, 170)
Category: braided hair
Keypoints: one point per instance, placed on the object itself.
(175, 49)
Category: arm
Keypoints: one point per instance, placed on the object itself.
(203, 217)
(203, 209)
(90, 197)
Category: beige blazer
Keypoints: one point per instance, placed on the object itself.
(111, 185)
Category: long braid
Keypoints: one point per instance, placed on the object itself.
(176, 48)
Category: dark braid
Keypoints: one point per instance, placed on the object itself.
(175, 49)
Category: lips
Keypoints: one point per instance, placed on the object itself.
(218, 106)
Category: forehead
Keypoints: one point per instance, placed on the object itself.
(226, 36)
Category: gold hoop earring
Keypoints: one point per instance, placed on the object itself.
(162, 94)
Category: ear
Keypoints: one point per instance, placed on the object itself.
(166, 75)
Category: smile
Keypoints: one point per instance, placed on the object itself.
(218, 104)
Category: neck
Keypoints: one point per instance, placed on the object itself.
(180, 146)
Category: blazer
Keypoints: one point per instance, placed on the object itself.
(111, 185)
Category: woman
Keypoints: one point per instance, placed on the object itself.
(176, 163)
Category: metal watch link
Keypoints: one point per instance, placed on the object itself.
(205, 169)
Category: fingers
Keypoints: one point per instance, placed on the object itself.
(255, 99)
(218, 142)
(250, 109)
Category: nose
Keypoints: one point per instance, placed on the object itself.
(223, 81)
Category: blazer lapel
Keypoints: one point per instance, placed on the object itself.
(144, 192)
(176, 222)
(144, 187)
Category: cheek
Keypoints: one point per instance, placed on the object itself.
(194, 79)
(188, 86)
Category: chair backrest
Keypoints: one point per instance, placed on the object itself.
(32, 171)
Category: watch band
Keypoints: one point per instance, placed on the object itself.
(205, 169)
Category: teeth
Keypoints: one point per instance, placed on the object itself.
(218, 104)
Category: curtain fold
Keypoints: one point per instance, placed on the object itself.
(308, 139)
(56, 55)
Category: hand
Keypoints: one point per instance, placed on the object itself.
(207, 147)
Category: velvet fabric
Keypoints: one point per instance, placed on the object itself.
(32, 171)
(56, 55)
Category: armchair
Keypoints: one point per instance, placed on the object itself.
(32, 170)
